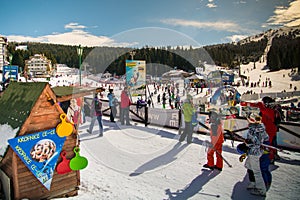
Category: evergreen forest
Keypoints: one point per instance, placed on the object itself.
(283, 54)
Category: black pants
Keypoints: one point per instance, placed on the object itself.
(113, 113)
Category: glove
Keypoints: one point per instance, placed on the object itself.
(248, 141)
(243, 103)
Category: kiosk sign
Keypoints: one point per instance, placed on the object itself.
(39, 152)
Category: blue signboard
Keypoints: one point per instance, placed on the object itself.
(39, 152)
(10, 72)
(228, 78)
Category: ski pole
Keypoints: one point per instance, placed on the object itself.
(264, 145)
(212, 146)
(272, 147)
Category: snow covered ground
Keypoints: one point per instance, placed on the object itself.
(137, 162)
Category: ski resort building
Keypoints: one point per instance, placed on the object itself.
(3, 49)
(38, 65)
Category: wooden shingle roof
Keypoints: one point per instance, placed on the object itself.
(17, 102)
(65, 93)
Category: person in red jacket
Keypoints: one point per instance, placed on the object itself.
(268, 119)
(125, 104)
(217, 139)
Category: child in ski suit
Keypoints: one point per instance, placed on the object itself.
(217, 139)
(255, 137)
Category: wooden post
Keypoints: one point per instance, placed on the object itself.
(15, 175)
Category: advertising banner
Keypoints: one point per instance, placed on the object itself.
(39, 152)
(136, 76)
(10, 72)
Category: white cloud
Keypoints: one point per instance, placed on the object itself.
(77, 36)
(74, 25)
(220, 26)
(211, 5)
(287, 16)
(236, 38)
(74, 37)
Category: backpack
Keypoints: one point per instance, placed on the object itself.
(98, 106)
(75, 116)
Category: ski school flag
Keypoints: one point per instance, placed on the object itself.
(39, 151)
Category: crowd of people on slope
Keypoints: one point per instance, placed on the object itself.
(262, 130)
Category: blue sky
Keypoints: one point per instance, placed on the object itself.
(139, 22)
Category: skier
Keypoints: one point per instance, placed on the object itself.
(188, 111)
(217, 139)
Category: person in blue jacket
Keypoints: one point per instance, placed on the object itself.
(112, 105)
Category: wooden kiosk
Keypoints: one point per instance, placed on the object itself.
(30, 108)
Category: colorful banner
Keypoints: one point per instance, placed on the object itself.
(136, 76)
(39, 152)
(10, 72)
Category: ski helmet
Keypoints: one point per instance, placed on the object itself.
(267, 100)
(242, 148)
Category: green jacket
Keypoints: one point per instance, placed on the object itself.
(188, 111)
